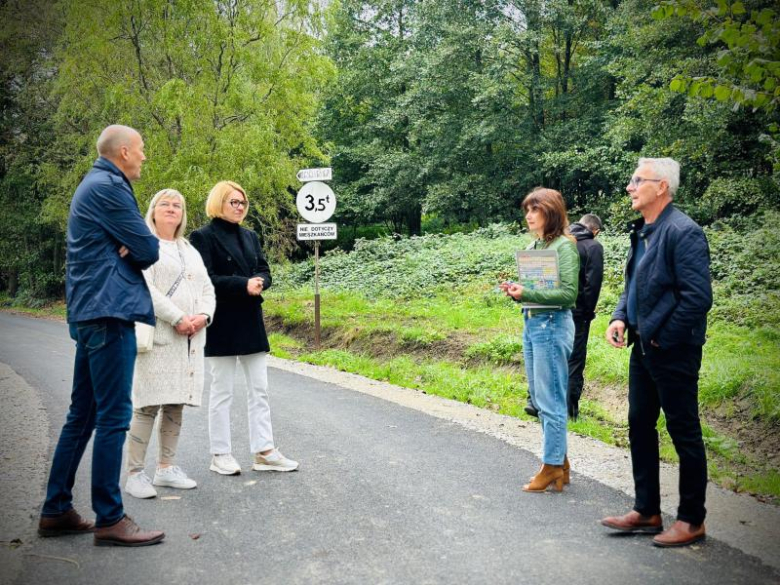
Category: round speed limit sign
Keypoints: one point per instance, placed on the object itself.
(316, 202)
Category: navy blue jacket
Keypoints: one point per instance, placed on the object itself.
(103, 217)
(673, 290)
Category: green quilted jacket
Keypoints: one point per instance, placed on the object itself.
(564, 297)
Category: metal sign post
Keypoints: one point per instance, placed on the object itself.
(317, 294)
(316, 202)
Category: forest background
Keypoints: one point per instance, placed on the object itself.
(437, 117)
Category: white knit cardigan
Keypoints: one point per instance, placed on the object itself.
(172, 373)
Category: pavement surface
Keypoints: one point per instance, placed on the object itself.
(394, 487)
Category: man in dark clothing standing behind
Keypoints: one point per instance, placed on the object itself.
(109, 244)
(663, 312)
(591, 276)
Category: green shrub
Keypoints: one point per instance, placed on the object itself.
(728, 196)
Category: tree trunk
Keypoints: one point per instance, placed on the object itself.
(533, 59)
(13, 283)
(567, 63)
(414, 221)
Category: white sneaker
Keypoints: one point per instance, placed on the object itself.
(225, 464)
(173, 477)
(140, 486)
(274, 461)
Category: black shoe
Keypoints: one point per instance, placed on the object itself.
(574, 411)
(531, 410)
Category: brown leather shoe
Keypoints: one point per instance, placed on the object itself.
(635, 523)
(68, 523)
(126, 533)
(680, 534)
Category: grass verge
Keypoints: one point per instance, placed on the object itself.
(466, 344)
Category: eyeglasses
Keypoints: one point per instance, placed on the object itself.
(238, 203)
(636, 181)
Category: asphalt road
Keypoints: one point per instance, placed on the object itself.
(385, 494)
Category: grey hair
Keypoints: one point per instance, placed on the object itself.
(167, 194)
(667, 169)
(114, 137)
(592, 222)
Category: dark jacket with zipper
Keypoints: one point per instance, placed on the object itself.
(232, 256)
(103, 217)
(673, 288)
(591, 271)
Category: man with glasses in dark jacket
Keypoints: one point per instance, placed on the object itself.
(663, 312)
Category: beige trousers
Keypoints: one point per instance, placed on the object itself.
(141, 428)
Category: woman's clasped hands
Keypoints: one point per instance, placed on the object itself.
(190, 324)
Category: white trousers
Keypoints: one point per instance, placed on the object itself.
(223, 375)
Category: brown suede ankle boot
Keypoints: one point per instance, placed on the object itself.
(566, 468)
(549, 475)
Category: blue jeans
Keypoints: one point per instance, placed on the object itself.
(548, 337)
(100, 401)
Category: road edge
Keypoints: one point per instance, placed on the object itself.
(24, 446)
(739, 520)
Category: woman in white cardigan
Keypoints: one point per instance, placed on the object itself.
(171, 374)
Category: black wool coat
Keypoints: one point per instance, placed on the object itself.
(232, 256)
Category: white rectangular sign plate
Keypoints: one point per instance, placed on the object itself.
(317, 231)
(324, 174)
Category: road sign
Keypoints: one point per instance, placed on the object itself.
(316, 202)
(324, 174)
(317, 231)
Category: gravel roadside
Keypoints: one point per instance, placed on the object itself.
(736, 519)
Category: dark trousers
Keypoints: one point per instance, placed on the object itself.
(100, 402)
(667, 379)
(577, 365)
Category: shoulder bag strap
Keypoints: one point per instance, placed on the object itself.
(176, 284)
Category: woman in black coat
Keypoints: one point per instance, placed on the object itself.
(240, 274)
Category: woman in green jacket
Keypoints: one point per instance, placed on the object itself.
(548, 333)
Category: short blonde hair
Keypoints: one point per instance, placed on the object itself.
(219, 193)
(167, 194)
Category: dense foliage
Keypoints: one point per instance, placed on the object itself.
(744, 268)
(437, 116)
(456, 109)
(218, 89)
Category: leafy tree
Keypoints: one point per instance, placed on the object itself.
(31, 247)
(218, 89)
(706, 136)
(463, 116)
(747, 39)
(376, 165)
